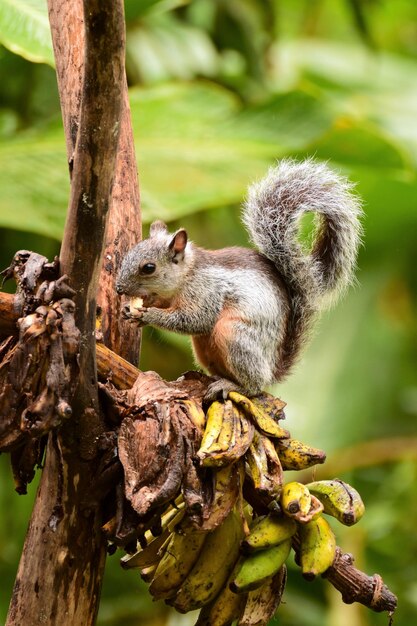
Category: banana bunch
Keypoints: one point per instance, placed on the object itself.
(186, 568)
(230, 559)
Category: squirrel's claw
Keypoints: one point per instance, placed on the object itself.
(219, 390)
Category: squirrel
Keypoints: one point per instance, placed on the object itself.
(250, 312)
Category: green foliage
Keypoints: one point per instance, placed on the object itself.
(219, 90)
(24, 29)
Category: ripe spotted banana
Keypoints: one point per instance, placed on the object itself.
(295, 500)
(229, 441)
(227, 488)
(256, 568)
(295, 455)
(264, 468)
(317, 547)
(339, 500)
(213, 426)
(264, 422)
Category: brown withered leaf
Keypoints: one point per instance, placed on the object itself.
(157, 442)
(152, 454)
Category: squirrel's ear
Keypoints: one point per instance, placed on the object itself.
(178, 243)
(158, 227)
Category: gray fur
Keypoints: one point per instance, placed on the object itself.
(255, 309)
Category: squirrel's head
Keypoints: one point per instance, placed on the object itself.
(156, 267)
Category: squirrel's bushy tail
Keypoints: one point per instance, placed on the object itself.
(272, 213)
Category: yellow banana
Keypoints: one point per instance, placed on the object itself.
(213, 426)
(233, 439)
(270, 404)
(214, 565)
(262, 603)
(295, 499)
(295, 455)
(256, 568)
(262, 419)
(227, 487)
(317, 547)
(264, 467)
(339, 500)
(180, 556)
(224, 610)
(196, 413)
(269, 531)
(148, 572)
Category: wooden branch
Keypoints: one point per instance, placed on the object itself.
(115, 368)
(60, 571)
(124, 225)
(355, 586)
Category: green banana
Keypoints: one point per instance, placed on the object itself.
(256, 568)
(213, 567)
(261, 604)
(295, 455)
(180, 556)
(295, 500)
(317, 547)
(339, 500)
(268, 531)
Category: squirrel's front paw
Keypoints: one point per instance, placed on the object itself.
(135, 317)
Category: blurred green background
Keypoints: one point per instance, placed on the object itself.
(220, 89)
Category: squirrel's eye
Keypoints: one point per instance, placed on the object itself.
(148, 268)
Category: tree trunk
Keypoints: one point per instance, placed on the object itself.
(61, 567)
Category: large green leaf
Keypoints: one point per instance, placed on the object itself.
(24, 29)
(196, 150)
(378, 90)
(135, 9)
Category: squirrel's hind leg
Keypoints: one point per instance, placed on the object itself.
(237, 358)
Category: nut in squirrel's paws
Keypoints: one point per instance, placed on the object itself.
(133, 311)
(135, 305)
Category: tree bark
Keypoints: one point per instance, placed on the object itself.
(61, 567)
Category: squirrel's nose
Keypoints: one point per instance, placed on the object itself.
(119, 290)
